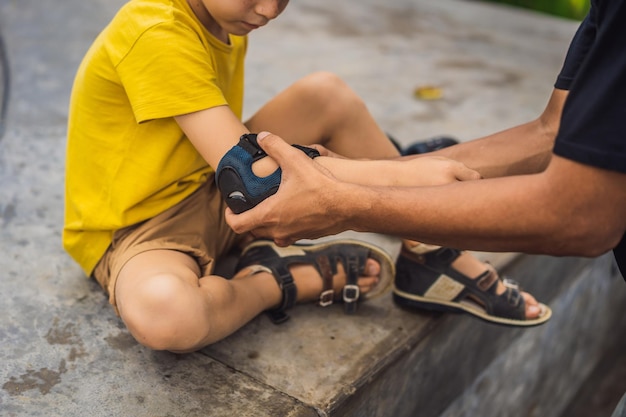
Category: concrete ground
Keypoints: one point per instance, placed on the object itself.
(62, 349)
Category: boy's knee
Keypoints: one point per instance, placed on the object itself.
(327, 85)
(159, 315)
(333, 93)
(324, 79)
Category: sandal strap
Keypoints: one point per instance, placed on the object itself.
(509, 304)
(442, 257)
(418, 274)
(324, 258)
(287, 286)
(290, 293)
(327, 296)
(351, 291)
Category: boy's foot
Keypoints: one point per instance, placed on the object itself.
(429, 145)
(450, 280)
(346, 270)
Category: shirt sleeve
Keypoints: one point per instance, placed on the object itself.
(579, 47)
(593, 123)
(168, 72)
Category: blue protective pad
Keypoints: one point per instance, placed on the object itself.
(240, 187)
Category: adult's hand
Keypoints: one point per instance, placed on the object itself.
(303, 207)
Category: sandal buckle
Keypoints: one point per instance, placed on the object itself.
(326, 298)
(351, 293)
(509, 283)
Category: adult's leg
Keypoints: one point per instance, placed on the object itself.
(166, 305)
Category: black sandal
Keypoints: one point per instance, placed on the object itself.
(428, 280)
(352, 254)
(240, 188)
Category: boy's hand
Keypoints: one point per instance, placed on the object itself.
(431, 170)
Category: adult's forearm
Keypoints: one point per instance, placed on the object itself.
(485, 215)
(522, 149)
(559, 212)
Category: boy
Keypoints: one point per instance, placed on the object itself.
(156, 104)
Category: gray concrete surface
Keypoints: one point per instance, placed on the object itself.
(62, 349)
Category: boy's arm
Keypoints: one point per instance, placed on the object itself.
(214, 131)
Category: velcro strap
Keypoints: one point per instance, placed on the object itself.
(277, 316)
(442, 257)
(248, 142)
(310, 152)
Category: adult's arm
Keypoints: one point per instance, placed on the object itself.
(567, 209)
(522, 149)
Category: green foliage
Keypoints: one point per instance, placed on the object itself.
(572, 9)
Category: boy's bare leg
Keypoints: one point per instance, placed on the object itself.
(166, 305)
(323, 109)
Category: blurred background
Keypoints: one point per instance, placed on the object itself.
(571, 9)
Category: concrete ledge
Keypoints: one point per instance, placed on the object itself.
(389, 361)
(541, 372)
(65, 353)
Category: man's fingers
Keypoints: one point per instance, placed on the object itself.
(241, 223)
(276, 147)
(235, 221)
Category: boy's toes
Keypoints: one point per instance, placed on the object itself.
(371, 278)
(367, 284)
(533, 310)
(372, 268)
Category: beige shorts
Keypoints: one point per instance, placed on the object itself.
(194, 226)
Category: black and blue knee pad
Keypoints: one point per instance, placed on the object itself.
(239, 186)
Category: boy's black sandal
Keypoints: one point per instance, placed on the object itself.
(241, 189)
(352, 254)
(428, 145)
(429, 281)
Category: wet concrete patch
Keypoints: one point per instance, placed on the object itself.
(43, 379)
(121, 341)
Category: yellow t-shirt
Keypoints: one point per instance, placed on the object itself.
(127, 159)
